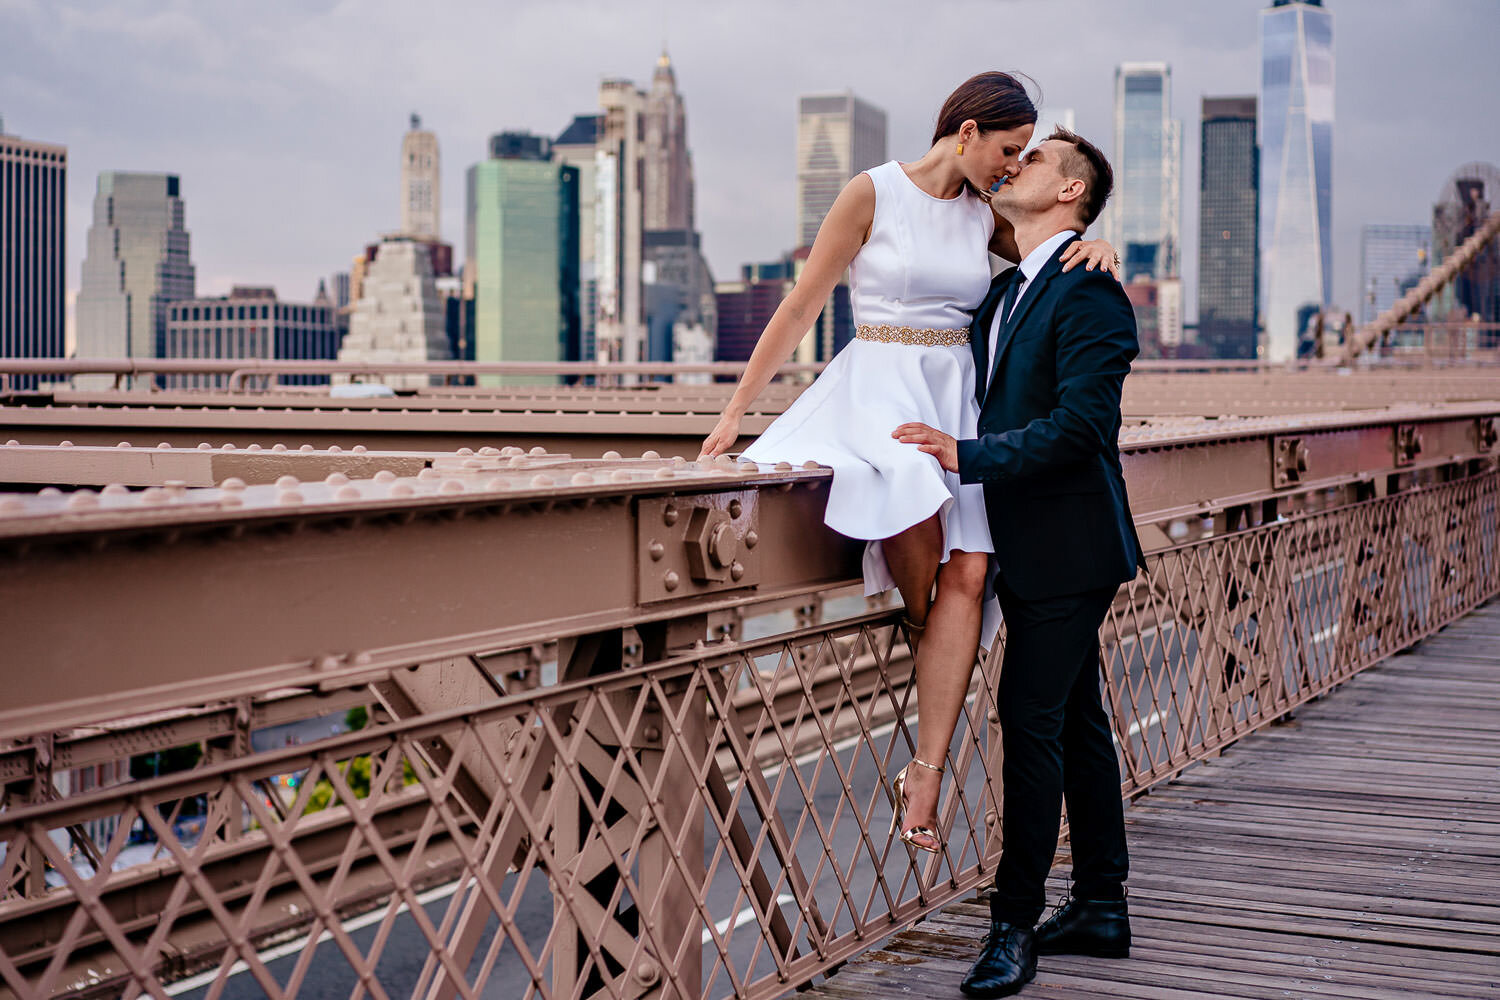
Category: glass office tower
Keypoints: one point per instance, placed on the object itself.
(1227, 258)
(1296, 168)
(522, 243)
(1144, 225)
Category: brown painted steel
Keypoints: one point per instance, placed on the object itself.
(1219, 638)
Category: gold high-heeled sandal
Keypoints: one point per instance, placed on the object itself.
(898, 785)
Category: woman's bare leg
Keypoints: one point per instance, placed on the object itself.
(945, 665)
(913, 558)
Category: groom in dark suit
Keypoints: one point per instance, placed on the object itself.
(1052, 350)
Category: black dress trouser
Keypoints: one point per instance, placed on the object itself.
(1057, 743)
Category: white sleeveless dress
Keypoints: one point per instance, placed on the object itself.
(925, 267)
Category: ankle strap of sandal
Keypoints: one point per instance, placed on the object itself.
(930, 767)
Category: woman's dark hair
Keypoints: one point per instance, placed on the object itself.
(994, 100)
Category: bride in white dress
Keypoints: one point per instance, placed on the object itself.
(916, 239)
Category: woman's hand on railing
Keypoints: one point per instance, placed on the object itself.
(1091, 254)
(725, 433)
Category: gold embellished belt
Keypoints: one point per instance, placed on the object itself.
(914, 336)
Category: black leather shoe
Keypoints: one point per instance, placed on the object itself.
(1006, 963)
(1097, 927)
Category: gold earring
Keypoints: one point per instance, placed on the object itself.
(960, 149)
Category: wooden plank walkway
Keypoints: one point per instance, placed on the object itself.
(1353, 852)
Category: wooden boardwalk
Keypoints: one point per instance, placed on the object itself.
(1352, 852)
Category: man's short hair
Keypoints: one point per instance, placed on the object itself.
(1085, 162)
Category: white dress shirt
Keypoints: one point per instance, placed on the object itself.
(1030, 265)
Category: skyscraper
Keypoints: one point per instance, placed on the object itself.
(1144, 218)
(421, 182)
(653, 289)
(1392, 259)
(1228, 261)
(668, 173)
(521, 241)
(1296, 168)
(399, 315)
(33, 205)
(620, 328)
(137, 260)
(838, 135)
(577, 146)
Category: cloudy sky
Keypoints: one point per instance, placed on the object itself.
(284, 117)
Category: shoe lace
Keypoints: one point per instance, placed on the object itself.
(1062, 904)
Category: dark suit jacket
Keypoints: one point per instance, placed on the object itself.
(1049, 424)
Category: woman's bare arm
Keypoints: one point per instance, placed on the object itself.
(843, 232)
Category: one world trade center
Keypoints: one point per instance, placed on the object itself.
(1296, 169)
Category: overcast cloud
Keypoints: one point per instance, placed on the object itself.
(284, 117)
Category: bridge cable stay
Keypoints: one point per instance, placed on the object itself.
(1429, 286)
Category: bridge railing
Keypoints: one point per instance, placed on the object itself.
(694, 799)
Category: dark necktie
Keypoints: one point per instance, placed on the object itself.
(1007, 302)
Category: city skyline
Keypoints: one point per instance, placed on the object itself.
(284, 212)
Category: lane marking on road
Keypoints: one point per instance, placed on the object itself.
(293, 947)
(1150, 722)
(745, 916)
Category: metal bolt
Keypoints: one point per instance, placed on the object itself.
(736, 570)
(611, 456)
(670, 580)
(336, 479)
(752, 539)
(994, 716)
(657, 549)
(288, 483)
(123, 444)
(466, 451)
(669, 516)
(651, 733)
(649, 454)
(735, 508)
(385, 476)
(307, 447)
(648, 973)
